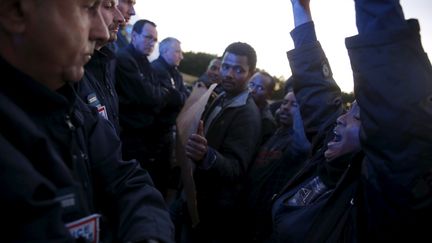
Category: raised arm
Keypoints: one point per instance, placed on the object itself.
(317, 93)
(393, 87)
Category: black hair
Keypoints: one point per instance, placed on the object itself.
(243, 49)
(138, 26)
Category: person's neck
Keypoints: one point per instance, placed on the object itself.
(230, 95)
(262, 105)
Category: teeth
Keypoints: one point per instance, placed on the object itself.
(337, 136)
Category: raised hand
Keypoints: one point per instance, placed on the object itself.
(303, 3)
(196, 147)
(301, 11)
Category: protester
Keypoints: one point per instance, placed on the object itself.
(223, 147)
(385, 195)
(261, 87)
(276, 162)
(211, 76)
(212, 73)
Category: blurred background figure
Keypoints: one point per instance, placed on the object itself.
(261, 87)
(166, 71)
(127, 9)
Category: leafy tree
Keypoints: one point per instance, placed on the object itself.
(194, 64)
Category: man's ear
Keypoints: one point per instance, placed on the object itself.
(134, 35)
(12, 16)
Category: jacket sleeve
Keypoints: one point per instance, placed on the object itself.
(135, 87)
(316, 91)
(126, 190)
(393, 86)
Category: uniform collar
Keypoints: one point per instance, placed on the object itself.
(31, 95)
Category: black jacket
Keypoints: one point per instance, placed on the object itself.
(171, 78)
(393, 82)
(319, 99)
(141, 96)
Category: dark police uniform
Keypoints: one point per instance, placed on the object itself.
(169, 77)
(97, 87)
(141, 98)
(83, 170)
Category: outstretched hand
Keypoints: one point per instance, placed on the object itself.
(196, 146)
(303, 3)
(301, 11)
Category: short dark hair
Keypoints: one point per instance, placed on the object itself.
(272, 80)
(138, 26)
(243, 49)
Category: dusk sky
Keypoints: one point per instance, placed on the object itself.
(210, 26)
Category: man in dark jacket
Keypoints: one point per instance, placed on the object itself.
(60, 161)
(165, 68)
(277, 160)
(319, 99)
(141, 99)
(223, 147)
(127, 9)
(384, 196)
(261, 87)
(97, 87)
(212, 73)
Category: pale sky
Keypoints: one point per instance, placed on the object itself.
(210, 26)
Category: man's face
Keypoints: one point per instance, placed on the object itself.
(112, 17)
(346, 134)
(126, 8)
(286, 110)
(260, 88)
(60, 37)
(145, 42)
(174, 54)
(213, 70)
(235, 73)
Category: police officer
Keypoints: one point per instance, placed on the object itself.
(60, 161)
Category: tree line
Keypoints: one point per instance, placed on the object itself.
(195, 64)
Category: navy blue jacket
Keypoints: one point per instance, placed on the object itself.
(171, 78)
(141, 96)
(97, 87)
(393, 82)
(387, 195)
(32, 173)
(84, 150)
(320, 103)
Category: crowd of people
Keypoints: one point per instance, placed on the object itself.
(90, 149)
